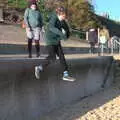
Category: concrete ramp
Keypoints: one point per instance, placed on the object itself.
(22, 97)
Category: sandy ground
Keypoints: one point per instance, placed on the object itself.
(104, 105)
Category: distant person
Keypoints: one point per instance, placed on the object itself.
(57, 30)
(34, 24)
(92, 38)
(104, 38)
(104, 35)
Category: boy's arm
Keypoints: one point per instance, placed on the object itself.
(66, 28)
(53, 29)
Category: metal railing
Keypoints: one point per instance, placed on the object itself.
(78, 33)
(115, 45)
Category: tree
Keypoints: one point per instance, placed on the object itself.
(18, 3)
(80, 12)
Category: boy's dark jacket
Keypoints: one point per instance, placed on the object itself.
(54, 30)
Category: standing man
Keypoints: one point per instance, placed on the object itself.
(57, 30)
(34, 24)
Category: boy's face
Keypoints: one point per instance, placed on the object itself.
(61, 16)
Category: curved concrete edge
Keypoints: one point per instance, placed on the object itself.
(22, 97)
(22, 49)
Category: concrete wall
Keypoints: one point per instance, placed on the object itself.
(22, 97)
(22, 49)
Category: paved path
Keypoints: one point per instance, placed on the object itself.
(10, 34)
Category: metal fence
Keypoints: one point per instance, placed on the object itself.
(78, 34)
(115, 46)
(112, 46)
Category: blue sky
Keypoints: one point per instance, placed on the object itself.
(110, 6)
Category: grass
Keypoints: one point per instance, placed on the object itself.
(19, 4)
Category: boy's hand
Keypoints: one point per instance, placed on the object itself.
(63, 31)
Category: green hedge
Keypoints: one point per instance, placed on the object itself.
(17, 3)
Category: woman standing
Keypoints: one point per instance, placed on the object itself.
(104, 38)
(34, 23)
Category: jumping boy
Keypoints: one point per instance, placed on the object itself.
(57, 30)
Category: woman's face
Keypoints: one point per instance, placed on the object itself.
(33, 7)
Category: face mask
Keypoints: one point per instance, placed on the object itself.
(33, 7)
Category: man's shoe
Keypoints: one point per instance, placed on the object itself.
(38, 69)
(68, 78)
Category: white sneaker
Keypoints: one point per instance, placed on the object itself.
(38, 69)
(68, 78)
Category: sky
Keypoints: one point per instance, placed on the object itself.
(110, 6)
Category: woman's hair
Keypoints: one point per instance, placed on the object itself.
(33, 3)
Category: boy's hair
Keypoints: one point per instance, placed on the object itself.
(60, 10)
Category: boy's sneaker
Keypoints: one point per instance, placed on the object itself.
(38, 69)
(68, 78)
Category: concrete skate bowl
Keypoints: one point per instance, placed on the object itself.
(22, 97)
